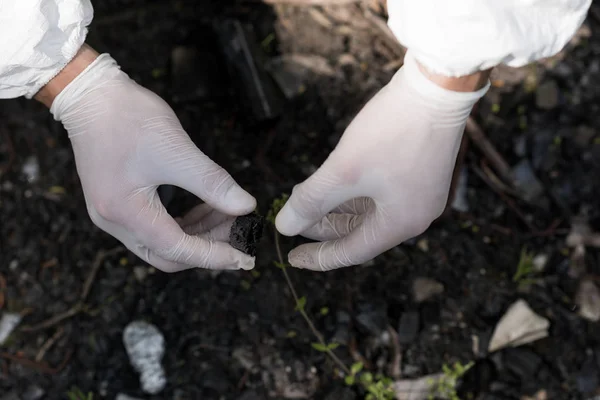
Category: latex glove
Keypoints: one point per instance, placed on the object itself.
(387, 179)
(127, 141)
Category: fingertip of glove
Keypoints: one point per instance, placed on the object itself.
(239, 202)
(288, 222)
(247, 263)
(301, 258)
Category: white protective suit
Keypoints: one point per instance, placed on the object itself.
(385, 182)
(39, 37)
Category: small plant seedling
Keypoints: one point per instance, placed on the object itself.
(76, 394)
(377, 387)
(445, 387)
(525, 269)
(246, 232)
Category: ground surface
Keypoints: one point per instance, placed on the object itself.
(236, 335)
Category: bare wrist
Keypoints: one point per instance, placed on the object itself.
(467, 83)
(84, 57)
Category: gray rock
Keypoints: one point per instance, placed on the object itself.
(547, 95)
(8, 323)
(372, 318)
(526, 181)
(145, 346)
(588, 300)
(33, 392)
(425, 288)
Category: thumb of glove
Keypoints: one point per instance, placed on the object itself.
(311, 200)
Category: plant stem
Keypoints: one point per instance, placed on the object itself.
(312, 327)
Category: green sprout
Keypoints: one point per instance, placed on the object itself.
(76, 394)
(525, 274)
(378, 387)
(445, 387)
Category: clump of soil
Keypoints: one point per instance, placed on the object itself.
(246, 232)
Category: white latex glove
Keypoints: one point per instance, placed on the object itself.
(127, 141)
(387, 179)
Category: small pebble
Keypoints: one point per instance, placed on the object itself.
(145, 346)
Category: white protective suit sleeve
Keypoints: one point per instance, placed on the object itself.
(37, 39)
(457, 38)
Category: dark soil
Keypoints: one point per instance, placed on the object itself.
(246, 233)
(236, 335)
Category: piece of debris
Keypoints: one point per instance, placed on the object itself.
(583, 136)
(8, 323)
(292, 71)
(539, 395)
(423, 245)
(33, 392)
(244, 59)
(581, 234)
(246, 232)
(460, 201)
(31, 169)
(425, 288)
(539, 262)
(547, 95)
(372, 318)
(588, 300)
(518, 326)
(140, 272)
(145, 347)
(416, 389)
(526, 182)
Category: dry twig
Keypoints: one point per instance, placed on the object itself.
(381, 25)
(40, 366)
(487, 148)
(49, 343)
(396, 367)
(80, 305)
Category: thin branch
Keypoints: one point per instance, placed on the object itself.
(49, 343)
(40, 366)
(312, 327)
(87, 287)
(489, 150)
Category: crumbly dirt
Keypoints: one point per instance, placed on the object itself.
(236, 335)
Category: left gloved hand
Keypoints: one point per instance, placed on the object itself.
(387, 179)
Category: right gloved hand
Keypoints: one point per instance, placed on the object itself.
(127, 141)
(388, 177)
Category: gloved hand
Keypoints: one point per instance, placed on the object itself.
(387, 179)
(127, 141)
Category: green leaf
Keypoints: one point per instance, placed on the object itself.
(356, 368)
(370, 397)
(279, 264)
(319, 347)
(324, 310)
(349, 380)
(301, 303)
(333, 346)
(367, 377)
